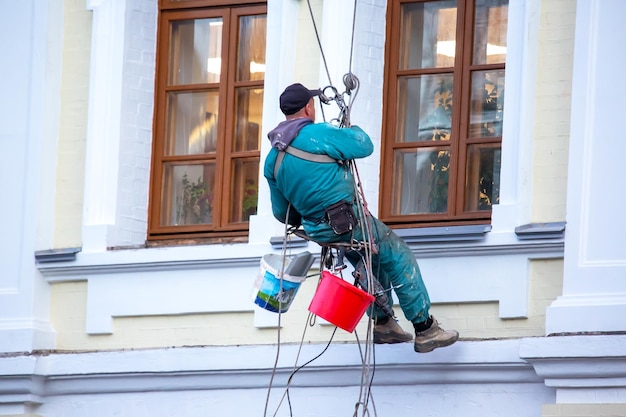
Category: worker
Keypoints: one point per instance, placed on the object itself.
(312, 186)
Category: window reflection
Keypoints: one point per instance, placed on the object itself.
(421, 181)
(428, 33)
(490, 26)
(195, 51)
(188, 192)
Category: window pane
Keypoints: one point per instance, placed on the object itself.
(248, 110)
(187, 194)
(487, 104)
(424, 108)
(244, 190)
(420, 181)
(427, 35)
(483, 178)
(195, 51)
(490, 31)
(251, 54)
(191, 126)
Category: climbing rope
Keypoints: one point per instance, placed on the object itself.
(350, 81)
(344, 102)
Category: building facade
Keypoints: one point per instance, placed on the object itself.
(114, 302)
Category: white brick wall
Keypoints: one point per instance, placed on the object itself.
(136, 124)
(368, 66)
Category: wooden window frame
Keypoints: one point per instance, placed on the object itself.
(225, 155)
(460, 138)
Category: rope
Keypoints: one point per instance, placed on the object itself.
(350, 81)
(352, 39)
(280, 307)
(319, 43)
(345, 102)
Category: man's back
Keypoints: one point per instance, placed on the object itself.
(309, 186)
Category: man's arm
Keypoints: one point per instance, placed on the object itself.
(280, 204)
(339, 143)
(281, 208)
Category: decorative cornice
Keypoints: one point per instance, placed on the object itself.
(461, 242)
(576, 361)
(34, 377)
(52, 272)
(57, 255)
(553, 230)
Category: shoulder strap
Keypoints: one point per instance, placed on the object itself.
(307, 156)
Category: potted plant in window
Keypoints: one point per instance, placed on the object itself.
(194, 203)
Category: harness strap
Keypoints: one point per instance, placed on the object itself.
(299, 153)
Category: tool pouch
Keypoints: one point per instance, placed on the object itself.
(341, 217)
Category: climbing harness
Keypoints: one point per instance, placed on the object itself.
(308, 156)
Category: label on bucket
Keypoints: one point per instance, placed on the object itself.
(270, 296)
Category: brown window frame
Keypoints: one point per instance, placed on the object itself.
(225, 155)
(460, 141)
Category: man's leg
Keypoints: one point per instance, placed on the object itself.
(396, 266)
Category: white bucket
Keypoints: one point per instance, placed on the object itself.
(268, 292)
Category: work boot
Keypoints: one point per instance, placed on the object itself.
(434, 337)
(389, 331)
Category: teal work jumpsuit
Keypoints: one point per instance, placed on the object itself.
(311, 187)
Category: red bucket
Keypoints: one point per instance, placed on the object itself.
(340, 303)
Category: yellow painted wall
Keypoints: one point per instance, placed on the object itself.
(473, 321)
(68, 318)
(73, 124)
(583, 410)
(552, 113)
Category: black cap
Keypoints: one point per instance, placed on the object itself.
(295, 97)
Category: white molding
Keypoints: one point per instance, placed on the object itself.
(582, 368)
(594, 289)
(167, 293)
(19, 335)
(32, 81)
(104, 118)
(573, 313)
(282, 25)
(235, 367)
(517, 143)
(140, 282)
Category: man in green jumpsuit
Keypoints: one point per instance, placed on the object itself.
(303, 186)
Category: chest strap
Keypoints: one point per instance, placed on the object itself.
(307, 156)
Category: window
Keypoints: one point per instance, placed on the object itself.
(444, 93)
(208, 112)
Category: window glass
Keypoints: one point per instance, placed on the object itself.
(245, 189)
(248, 111)
(427, 34)
(490, 27)
(487, 103)
(195, 51)
(421, 181)
(483, 177)
(191, 123)
(425, 108)
(251, 56)
(188, 193)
